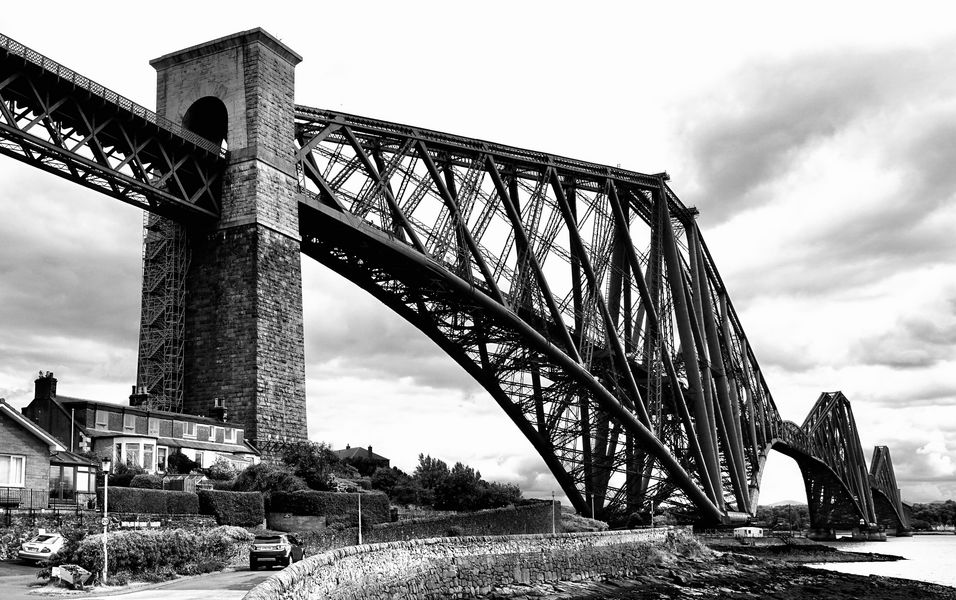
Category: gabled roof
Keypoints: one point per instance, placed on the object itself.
(357, 453)
(55, 445)
(71, 458)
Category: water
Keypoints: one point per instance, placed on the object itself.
(931, 558)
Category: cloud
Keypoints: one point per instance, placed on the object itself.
(745, 135)
(350, 333)
(915, 340)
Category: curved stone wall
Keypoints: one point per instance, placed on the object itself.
(465, 567)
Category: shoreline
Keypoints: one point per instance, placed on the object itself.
(775, 571)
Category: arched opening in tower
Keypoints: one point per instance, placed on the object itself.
(208, 117)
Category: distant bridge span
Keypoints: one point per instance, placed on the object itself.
(582, 297)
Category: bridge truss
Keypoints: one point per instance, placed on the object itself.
(582, 297)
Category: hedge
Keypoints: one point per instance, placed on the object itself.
(146, 481)
(158, 502)
(333, 505)
(244, 509)
(164, 551)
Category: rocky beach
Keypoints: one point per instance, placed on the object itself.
(728, 570)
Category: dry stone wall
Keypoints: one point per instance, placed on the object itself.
(467, 567)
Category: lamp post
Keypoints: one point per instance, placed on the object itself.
(554, 516)
(360, 517)
(106, 492)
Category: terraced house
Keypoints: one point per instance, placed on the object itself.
(136, 434)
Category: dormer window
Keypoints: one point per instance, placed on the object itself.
(129, 422)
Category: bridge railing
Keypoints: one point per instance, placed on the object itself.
(15, 48)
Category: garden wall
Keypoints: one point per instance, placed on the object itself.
(467, 567)
(533, 518)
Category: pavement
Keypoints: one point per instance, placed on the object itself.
(15, 578)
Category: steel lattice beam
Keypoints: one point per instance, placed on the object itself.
(65, 124)
(582, 297)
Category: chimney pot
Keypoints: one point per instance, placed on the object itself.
(45, 386)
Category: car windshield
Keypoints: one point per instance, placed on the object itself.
(43, 538)
(268, 539)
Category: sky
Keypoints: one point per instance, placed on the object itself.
(818, 141)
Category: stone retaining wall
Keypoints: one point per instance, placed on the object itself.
(467, 567)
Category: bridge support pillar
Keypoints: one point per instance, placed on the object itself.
(244, 341)
(866, 535)
(821, 534)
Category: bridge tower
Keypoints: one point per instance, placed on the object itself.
(243, 341)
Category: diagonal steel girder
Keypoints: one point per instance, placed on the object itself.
(61, 122)
(555, 243)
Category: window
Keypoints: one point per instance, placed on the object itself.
(153, 427)
(129, 422)
(117, 455)
(230, 435)
(161, 453)
(189, 429)
(148, 457)
(102, 419)
(11, 470)
(199, 458)
(85, 479)
(132, 454)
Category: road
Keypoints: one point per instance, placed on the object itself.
(228, 585)
(15, 577)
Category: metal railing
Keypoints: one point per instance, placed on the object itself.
(57, 500)
(17, 49)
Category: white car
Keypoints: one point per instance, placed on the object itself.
(41, 547)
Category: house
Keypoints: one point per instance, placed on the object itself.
(362, 459)
(35, 467)
(136, 434)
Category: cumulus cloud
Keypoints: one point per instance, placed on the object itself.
(915, 340)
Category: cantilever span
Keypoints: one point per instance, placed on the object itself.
(582, 297)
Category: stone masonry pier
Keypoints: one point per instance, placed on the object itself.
(463, 567)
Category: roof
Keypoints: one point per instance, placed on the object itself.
(30, 426)
(69, 402)
(357, 453)
(65, 457)
(243, 448)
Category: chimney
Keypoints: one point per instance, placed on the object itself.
(45, 386)
(139, 397)
(370, 452)
(219, 410)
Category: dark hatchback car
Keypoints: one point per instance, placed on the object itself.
(274, 549)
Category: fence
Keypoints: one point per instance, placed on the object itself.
(58, 500)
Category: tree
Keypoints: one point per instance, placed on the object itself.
(266, 478)
(460, 490)
(430, 472)
(123, 473)
(313, 463)
(178, 463)
(221, 470)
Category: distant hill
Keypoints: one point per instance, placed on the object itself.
(786, 503)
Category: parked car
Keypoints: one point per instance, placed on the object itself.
(274, 549)
(41, 547)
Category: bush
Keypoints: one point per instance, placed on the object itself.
(312, 463)
(123, 474)
(267, 478)
(161, 502)
(221, 470)
(158, 553)
(178, 463)
(232, 508)
(146, 481)
(334, 506)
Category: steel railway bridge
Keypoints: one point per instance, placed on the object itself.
(582, 297)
